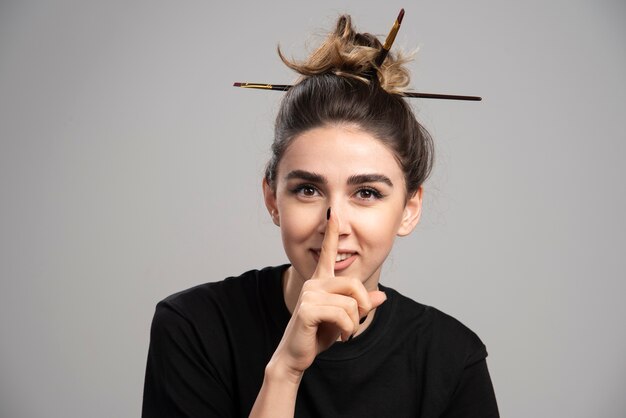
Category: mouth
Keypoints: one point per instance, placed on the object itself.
(343, 256)
(343, 259)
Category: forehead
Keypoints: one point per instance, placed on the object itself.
(339, 152)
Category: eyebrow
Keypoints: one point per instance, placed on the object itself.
(352, 180)
(369, 178)
(306, 175)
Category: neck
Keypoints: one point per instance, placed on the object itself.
(292, 286)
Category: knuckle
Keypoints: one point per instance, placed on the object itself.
(304, 310)
(306, 295)
(356, 283)
(308, 313)
(347, 317)
(343, 320)
(367, 306)
(308, 286)
(339, 314)
(357, 287)
(354, 305)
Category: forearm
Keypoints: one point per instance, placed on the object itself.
(277, 397)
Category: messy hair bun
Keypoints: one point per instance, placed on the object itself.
(343, 83)
(348, 53)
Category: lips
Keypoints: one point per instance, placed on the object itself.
(343, 260)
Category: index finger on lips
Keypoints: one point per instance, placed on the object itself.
(328, 254)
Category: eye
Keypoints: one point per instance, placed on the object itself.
(368, 193)
(305, 190)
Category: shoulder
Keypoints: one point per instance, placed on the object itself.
(213, 301)
(195, 340)
(446, 353)
(222, 292)
(439, 333)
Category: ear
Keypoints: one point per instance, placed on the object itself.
(411, 214)
(269, 196)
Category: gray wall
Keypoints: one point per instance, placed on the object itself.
(130, 169)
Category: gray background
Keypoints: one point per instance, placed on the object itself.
(130, 169)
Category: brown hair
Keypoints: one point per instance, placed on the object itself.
(341, 83)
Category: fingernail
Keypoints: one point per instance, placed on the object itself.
(328, 214)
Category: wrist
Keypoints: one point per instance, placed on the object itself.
(280, 372)
(277, 397)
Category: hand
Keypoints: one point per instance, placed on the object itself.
(328, 308)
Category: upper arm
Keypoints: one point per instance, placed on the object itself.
(474, 395)
(182, 379)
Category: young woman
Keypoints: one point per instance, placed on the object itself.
(321, 337)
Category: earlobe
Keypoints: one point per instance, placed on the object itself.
(411, 214)
(269, 196)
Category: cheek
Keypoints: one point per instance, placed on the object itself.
(298, 223)
(378, 228)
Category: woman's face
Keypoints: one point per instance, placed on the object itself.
(352, 172)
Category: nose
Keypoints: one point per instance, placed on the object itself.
(341, 216)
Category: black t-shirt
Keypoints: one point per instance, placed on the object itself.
(210, 344)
